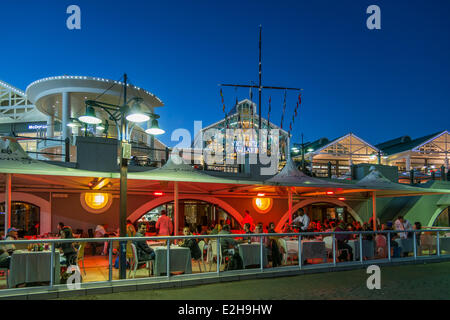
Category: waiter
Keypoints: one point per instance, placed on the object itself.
(302, 220)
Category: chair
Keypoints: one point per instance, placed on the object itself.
(328, 244)
(6, 271)
(80, 256)
(282, 244)
(212, 252)
(201, 245)
(134, 263)
(381, 246)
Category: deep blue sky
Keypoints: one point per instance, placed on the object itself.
(377, 84)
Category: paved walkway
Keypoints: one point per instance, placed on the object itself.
(427, 281)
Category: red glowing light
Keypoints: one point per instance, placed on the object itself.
(330, 192)
(341, 198)
(158, 193)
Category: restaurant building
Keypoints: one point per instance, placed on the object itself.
(40, 197)
(425, 156)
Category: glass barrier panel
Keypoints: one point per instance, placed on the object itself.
(30, 265)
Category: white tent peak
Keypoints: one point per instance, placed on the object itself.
(374, 177)
(290, 174)
(10, 149)
(177, 163)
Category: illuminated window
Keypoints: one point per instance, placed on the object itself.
(262, 205)
(96, 202)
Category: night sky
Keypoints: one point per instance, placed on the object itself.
(378, 84)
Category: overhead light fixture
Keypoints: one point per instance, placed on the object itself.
(90, 117)
(341, 199)
(158, 193)
(310, 150)
(261, 194)
(330, 192)
(136, 114)
(154, 129)
(98, 184)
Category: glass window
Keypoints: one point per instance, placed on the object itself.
(24, 216)
(443, 220)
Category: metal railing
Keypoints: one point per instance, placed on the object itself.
(262, 266)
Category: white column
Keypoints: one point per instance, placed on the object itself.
(408, 163)
(65, 130)
(175, 208)
(50, 126)
(7, 202)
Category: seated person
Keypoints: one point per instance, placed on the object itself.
(143, 251)
(226, 242)
(191, 244)
(5, 258)
(69, 253)
(10, 235)
(274, 250)
(247, 227)
(259, 229)
(342, 242)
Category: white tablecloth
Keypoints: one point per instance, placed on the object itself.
(407, 245)
(311, 249)
(180, 260)
(29, 267)
(250, 254)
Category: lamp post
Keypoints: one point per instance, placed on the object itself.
(122, 115)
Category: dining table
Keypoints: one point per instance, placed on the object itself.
(368, 248)
(251, 254)
(406, 245)
(311, 249)
(180, 260)
(32, 267)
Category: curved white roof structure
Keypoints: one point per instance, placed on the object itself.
(46, 94)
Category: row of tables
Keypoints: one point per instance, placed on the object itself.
(27, 267)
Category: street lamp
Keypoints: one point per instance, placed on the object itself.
(122, 115)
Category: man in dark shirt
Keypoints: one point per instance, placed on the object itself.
(144, 252)
(342, 242)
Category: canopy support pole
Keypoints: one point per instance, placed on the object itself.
(175, 208)
(374, 210)
(7, 203)
(290, 205)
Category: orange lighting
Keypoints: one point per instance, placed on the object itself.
(158, 193)
(262, 205)
(341, 198)
(96, 202)
(330, 192)
(261, 194)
